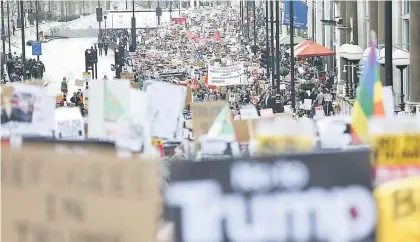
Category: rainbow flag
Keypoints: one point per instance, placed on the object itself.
(369, 100)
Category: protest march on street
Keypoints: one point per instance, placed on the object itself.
(218, 121)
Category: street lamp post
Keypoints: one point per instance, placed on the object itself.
(247, 20)
(36, 25)
(354, 55)
(277, 52)
(401, 59)
(133, 30)
(22, 28)
(8, 28)
(3, 35)
(170, 9)
(292, 55)
(342, 52)
(272, 43)
(254, 22)
(388, 43)
(267, 41)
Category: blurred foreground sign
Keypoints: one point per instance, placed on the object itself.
(309, 197)
(77, 197)
(399, 210)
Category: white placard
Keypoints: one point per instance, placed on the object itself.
(249, 112)
(388, 101)
(307, 104)
(334, 131)
(266, 113)
(166, 103)
(232, 97)
(282, 86)
(328, 97)
(69, 124)
(319, 111)
(31, 112)
(109, 108)
(223, 76)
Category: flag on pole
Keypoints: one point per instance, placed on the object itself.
(369, 100)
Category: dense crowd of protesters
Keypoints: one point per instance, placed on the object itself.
(160, 47)
(16, 71)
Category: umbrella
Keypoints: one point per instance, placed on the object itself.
(312, 50)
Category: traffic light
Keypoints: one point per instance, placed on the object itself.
(119, 61)
(265, 60)
(99, 14)
(121, 50)
(89, 59)
(158, 12)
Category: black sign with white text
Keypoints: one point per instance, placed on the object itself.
(313, 197)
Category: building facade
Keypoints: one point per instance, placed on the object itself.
(355, 20)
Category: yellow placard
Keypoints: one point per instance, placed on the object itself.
(157, 142)
(86, 76)
(391, 150)
(276, 144)
(59, 98)
(398, 205)
(262, 84)
(86, 102)
(127, 75)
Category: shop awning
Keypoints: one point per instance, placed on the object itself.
(300, 45)
(303, 43)
(312, 50)
(285, 40)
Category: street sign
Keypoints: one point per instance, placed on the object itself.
(86, 76)
(36, 48)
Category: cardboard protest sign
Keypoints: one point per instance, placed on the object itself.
(399, 210)
(77, 197)
(127, 75)
(188, 96)
(285, 198)
(283, 135)
(79, 83)
(203, 116)
(266, 113)
(241, 130)
(395, 144)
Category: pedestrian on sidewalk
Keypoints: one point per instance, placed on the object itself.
(100, 47)
(106, 48)
(64, 83)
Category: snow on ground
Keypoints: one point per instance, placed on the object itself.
(63, 57)
(66, 58)
(121, 20)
